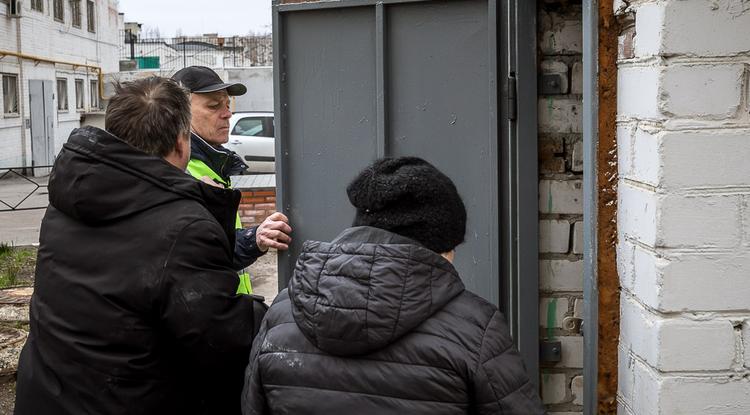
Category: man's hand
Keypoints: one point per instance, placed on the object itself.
(274, 233)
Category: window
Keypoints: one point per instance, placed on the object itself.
(254, 126)
(79, 94)
(62, 94)
(58, 7)
(10, 94)
(37, 5)
(90, 16)
(94, 95)
(75, 12)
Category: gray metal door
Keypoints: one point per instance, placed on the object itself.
(42, 125)
(360, 79)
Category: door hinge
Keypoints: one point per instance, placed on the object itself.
(512, 97)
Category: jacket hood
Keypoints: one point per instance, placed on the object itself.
(366, 289)
(98, 178)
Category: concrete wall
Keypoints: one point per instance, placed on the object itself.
(684, 187)
(259, 82)
(43, 36)
(561, 201)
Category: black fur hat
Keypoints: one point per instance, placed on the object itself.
(412, 198)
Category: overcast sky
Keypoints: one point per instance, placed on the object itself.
(227, 17)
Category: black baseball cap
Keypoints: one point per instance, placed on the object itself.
(201, 80)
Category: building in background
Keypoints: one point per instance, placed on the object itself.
(53, 55)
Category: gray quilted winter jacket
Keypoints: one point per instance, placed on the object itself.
(373, 323)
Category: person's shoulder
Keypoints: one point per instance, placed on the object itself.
(472, 308)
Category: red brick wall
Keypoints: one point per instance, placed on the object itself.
(255, 205)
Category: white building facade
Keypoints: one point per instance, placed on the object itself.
(52, 53)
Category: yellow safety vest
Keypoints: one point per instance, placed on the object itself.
(199, 169)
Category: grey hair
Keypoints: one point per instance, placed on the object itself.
(149, 114)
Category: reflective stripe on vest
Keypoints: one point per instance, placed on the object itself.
(199, 169)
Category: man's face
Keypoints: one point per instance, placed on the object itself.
(211, 116)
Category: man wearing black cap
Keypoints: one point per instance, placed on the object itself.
(209, 104)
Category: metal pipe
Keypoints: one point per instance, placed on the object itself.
(59, 62)
(590, 140)
(19, 87)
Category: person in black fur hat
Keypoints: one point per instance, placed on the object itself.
(378, 321)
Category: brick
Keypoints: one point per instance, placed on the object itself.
(246, 200)
(576, 78)
(626, 43)
(264, 193)
(576, 388)
(625, 375)
(578, 238)
(703, 395)
(637, 92)
(554, 236)
(270, 199)
(626, 263)
(268, 206)
(685, 163)
(560, 35)
(675, 344)
(646, 390)
(647, 281)
(554, 388)
(560, 275)
(559, 115)
(646, 162)
(710, 91)
(684, 345)
(649, 22)
(572, 352)
(704, 282)
(705, 28)
(577, 157)
(717, 215)
(636, 213)
(625, 150)
(561, 196)
(552, 311)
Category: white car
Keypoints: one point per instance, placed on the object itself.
(251, 135)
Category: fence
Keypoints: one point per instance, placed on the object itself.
(175, 53)
(20, 189)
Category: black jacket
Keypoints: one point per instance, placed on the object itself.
(226, 163)
(374, 324)
(134, 308)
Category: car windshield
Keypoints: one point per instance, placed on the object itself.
(249, 126)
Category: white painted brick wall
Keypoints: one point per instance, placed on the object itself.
(683, 221)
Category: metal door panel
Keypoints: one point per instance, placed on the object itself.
(440, 108)
(328, 119)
